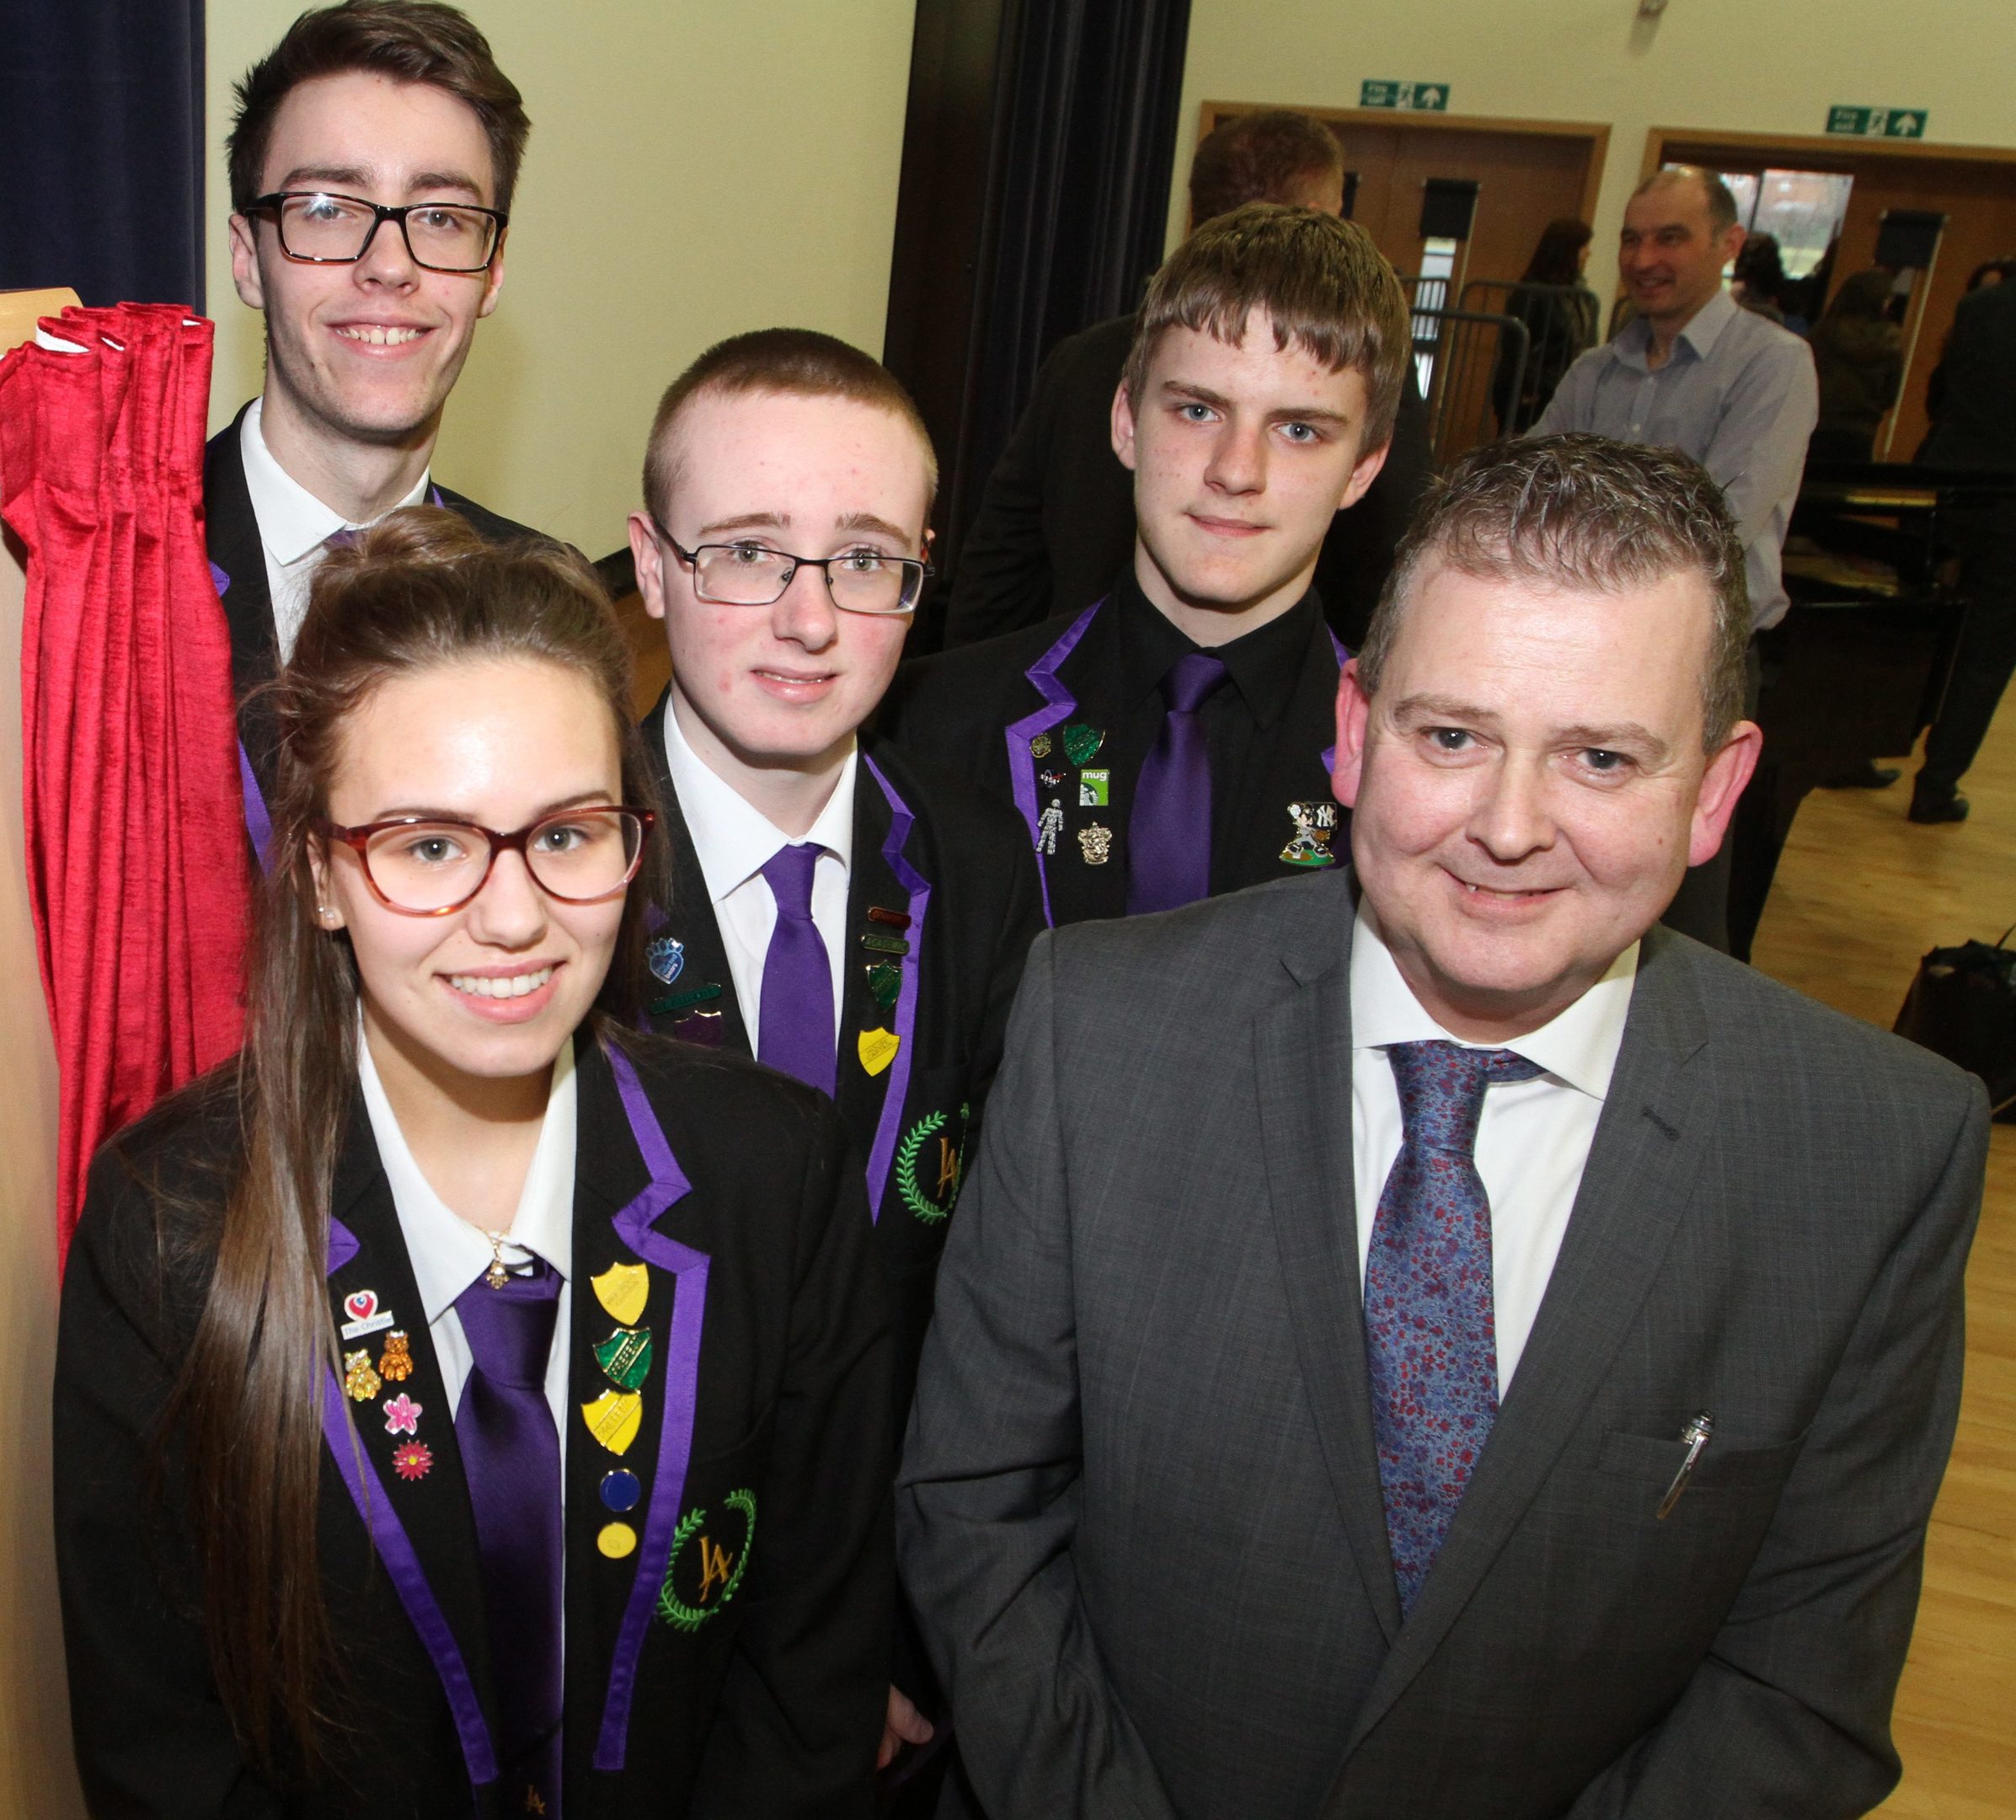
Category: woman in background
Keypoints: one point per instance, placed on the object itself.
(1858, 355)
(464, 1403)
(1560, 324)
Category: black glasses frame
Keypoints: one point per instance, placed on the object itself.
(358, 840)
(381, 212)
(916, 571)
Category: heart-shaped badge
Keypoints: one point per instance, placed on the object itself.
(362, 1306)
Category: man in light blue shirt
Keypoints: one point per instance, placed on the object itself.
(1695, 372)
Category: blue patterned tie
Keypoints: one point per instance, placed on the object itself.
(1430, 1331)
(511, 1453)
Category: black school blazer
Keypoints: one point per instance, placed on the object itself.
(684, 1695)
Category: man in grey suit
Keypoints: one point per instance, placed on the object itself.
(1422, 1339)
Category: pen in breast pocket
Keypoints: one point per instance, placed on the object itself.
(1696, 1435)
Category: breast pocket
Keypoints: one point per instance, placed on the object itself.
(717, 1539)
(1724, 1469)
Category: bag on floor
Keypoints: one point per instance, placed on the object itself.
(1962, 1005)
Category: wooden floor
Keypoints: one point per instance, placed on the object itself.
(1860, 895)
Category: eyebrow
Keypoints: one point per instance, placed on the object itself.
(1203, 395)
(770, 520)
(1618, 736)
(334, 176)
(600, 799)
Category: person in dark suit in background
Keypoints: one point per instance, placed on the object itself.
(1056, 520)
(371, 165)
(1975, 427)
(1173, 740)
(1426, 1339)
(466, 1403)
(837, 911)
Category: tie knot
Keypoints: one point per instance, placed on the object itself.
(509, 1329)
(1192, 681)
(1442, 1089)
(788, 874)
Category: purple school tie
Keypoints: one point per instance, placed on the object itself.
(1168, 834)
(796, 1030)
(1431, 1325)
(511, 1453)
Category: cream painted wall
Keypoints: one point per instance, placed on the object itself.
(695, 169)
(1754, 66)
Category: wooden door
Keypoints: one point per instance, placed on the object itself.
(1528, 172)
(1975, 190)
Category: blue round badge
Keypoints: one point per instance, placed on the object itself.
(621, 1490)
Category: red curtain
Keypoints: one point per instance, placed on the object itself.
(136, 855)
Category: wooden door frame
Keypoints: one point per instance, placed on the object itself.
(1595, 133)
(1841, 146)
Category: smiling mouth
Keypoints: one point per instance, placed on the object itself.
(795, 680)
(372, 335)
(491, 986)
(1492, 894)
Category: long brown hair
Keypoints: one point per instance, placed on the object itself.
(419, 589)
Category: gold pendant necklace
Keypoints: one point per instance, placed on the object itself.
(497, 1276)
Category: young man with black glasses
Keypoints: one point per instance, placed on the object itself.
(840, 912)
(371, 164)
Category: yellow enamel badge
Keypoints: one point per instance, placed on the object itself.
(616, 1540)
(612, 1418)
(622, 1289)
(878, 1049)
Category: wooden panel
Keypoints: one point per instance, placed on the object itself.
(651, 659)
(1861, 893)
(1529, 171)
(1974, 187)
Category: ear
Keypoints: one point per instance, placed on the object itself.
(1364, 472)
(244, 263)
(328, 912)
(649, 556)
(495, 283)
(1721, 789)
(1354, 724)
(1123, 426)
(1732, 243)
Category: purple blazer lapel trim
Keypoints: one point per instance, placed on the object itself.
(433, 497)
(257, 823)
(1329, 753)
(395, 1549)
(1058, 704)
(668, 1186)
(889, 1126)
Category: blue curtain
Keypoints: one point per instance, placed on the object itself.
(101, 146)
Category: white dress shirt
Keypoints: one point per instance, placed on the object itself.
(1533, 1141)
(294, 529)
(734, 842)
(448, 1254)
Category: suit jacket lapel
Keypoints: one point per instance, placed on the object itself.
(1302, 1063)
(870, 882)
(237, 562)
(416, 1496)
(1078, 890)
(690, 921)
(1639, 1178)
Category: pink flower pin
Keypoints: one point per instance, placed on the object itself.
(413, 1460)
(401, 1415)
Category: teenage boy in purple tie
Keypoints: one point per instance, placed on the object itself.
(843, 915)
(1173, 740)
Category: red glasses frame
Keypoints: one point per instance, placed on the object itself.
(358, 840)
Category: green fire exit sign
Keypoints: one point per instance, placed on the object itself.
(1878, 123)
(1427, 97)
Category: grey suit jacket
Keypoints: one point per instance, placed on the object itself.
(1139, 1514)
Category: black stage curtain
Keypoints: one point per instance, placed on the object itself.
(101, 142)
(1034, 202)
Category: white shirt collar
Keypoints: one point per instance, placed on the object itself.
(732, 838)
(1703, 329)
(1578, 1046)
(447, 1253)
(293, 524)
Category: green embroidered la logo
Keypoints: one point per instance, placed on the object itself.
(942, 1165)
(708, 1561)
